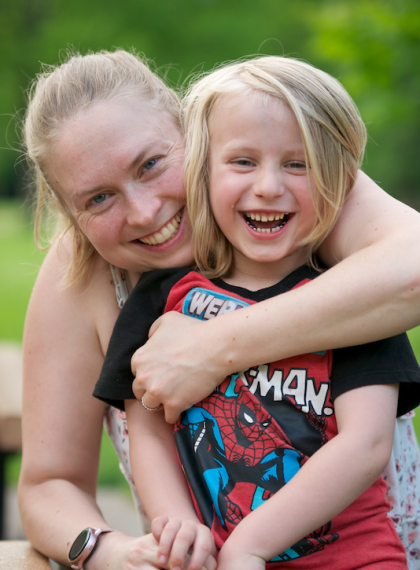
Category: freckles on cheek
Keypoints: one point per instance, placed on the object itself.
(101, 235)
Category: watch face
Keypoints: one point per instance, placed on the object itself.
(79, 544)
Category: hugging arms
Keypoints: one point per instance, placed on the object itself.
(372, 291)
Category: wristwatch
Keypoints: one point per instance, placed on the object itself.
(84, 545)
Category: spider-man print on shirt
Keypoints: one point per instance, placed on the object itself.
(241, 457)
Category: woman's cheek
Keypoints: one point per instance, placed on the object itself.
(101, 231)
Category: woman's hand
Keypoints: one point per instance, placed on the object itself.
(184, 543)
(180, 365)
(117, 551)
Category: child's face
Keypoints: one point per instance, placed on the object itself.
(259, 184)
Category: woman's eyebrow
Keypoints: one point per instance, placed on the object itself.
(140, 157)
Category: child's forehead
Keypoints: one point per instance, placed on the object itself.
(226, 102)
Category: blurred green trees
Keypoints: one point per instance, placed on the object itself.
(372, 46)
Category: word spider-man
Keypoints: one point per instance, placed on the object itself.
(236, 456)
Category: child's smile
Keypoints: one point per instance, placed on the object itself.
(259, 185)
(266, 222)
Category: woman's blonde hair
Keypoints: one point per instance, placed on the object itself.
(333, 134)
(59, 93)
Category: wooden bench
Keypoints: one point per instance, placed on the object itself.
(19, 555)
(10, 413)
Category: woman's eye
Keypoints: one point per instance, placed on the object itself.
(243, 162)
(150, 164)
(99, 198)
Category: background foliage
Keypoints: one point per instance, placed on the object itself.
(372, 46)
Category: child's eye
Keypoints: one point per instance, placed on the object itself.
(297, 165)
(243, 162)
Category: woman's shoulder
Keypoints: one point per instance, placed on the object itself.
(91, 300)
(56, 263)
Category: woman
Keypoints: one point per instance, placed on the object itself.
(104, 136)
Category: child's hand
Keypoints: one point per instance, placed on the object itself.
(237, 559)
(187, 544)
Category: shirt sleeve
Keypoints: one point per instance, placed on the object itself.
(388, 361)
(131, 331)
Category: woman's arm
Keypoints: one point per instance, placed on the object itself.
(330, 480)
(372, 292)
(65, 336)
(163, 490)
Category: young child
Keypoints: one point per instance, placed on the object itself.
(283, 461)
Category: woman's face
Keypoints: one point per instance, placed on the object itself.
(118, 166)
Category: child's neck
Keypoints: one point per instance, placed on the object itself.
(254, 276)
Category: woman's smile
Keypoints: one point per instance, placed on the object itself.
(165, 233)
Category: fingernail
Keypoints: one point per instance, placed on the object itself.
(162, 559)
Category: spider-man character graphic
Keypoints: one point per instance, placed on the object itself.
(235, 456)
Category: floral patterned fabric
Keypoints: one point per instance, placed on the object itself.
(402, 476)
(115, 425)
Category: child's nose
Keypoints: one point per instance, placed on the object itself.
(269, 184)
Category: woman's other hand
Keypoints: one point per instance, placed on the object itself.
(186, 371)
(117, 551)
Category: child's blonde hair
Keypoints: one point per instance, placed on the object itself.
(59, 93)
(333, 134)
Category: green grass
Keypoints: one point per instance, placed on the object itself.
(19, 264)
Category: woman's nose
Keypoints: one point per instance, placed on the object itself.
(142, 208)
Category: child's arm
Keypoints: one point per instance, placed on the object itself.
(163, 491)
(330, 481)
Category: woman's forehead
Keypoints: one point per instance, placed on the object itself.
(113, 117)
(105, 139)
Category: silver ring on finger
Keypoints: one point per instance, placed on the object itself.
(150, 409)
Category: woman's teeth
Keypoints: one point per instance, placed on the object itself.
(259, 220)
(165, 233)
